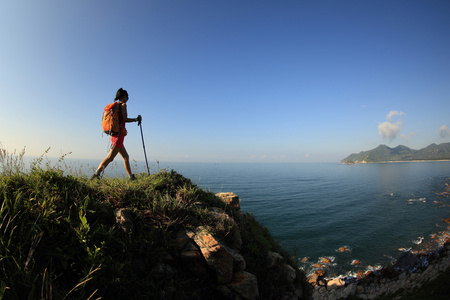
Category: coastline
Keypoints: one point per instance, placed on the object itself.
(410, 271)
(394, 280)
(393, 161)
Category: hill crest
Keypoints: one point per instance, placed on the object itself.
(401, 153)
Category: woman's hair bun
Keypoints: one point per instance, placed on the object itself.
(120, 93)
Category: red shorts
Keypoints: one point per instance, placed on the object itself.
(117, 141)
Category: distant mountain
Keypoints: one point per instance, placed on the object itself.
(384, 153)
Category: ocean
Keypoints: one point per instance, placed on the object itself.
(359, 217)
(374, 212)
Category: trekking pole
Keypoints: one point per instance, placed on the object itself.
(143, 144)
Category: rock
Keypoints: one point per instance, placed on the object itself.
(246, 285)
(235, 238)
(181, 240)
(316, 295)
(335, 283)
(382, 290)
(289, 272)
(321, 282)
(320, 272)
(273, 259)
(325, 260)
(316, 276)
(360, 289)
(369, 277)
(408, 261)
(193, 260)
(239, 263)
(350, 290)
(360, 274)
(123, 219)
(217, 256)
(388, 272)
(230, 199)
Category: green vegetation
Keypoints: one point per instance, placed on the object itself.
(59, 238)
(384, 153)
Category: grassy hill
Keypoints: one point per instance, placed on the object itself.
(383, 153)
(60, 239)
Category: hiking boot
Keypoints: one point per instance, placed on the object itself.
(132, 177)
(95, 176)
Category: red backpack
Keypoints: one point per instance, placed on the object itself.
(110, 120)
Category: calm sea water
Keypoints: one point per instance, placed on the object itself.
(314, 209)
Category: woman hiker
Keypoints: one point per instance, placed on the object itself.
(117, 140)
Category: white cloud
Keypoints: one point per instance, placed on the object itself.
(444, 131)
(394, 113)
(391, 128)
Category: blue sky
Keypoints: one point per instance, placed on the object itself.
(226, 81)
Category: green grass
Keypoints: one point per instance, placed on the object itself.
(59, 239)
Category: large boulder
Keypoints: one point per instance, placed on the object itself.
(230, 199)
(217, 256)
